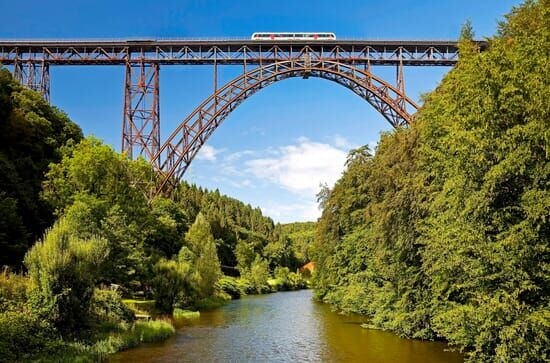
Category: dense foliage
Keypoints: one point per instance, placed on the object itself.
(238, 229)
(63, 270)
(301, 235)
(444, 232)
(31, 136)
(110, 240)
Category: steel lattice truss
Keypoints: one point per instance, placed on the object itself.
(141, 121)
(377, 52)
(176, 154)
(347, 62)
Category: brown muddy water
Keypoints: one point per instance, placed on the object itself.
(284, 327)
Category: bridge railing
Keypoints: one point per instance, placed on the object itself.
(169, 53)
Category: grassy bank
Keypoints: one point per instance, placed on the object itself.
(117, 339)
(104, 340)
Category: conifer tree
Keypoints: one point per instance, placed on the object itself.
(200, 240)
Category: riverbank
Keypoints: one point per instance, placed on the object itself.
(27, 334)
(113, 338)
(112, 324)
(283, 327)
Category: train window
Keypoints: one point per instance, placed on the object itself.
(292, 36)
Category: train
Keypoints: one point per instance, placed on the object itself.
(293, 36)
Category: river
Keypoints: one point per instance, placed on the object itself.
(284, 327)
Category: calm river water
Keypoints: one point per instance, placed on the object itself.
(284, 327)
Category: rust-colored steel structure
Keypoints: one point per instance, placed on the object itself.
(33, 75)
(347, 62)
(182, 145)
(141, 120)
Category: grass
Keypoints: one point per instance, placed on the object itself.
(126, 337)
(212, 302)
(111, 340)
(138, 302)
(141, 307)
(186, 314)
(153, 331)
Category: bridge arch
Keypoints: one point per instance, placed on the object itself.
(177, 153)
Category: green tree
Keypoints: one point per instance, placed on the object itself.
(280, 253)
(245, 255)
(467, 31)
(258, 275)
(201, 242)
(169, 225)
(63, 269)
(485, 147)
(13, 233)
(301, 235)
(93, 168)
(444, 231)
(172, 281)
(32, 135)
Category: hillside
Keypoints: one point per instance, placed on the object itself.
(444, 232)
(31, 136)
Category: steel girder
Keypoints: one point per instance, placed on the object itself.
(177, 153)
(106, 52)
(141, 119)
(33, 75)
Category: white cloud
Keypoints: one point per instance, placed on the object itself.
(295, 212)
(301, 168)
(342, 143)
(208, 153)
(238, 155)
(246, 183)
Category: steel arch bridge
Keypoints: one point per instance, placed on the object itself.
(346, 62)
(177, 153)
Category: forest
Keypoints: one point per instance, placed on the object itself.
(443, 231)
(85, 250)
(440, 233)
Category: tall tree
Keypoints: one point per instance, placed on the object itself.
(445, 231)
(200, 240)
(32, 134)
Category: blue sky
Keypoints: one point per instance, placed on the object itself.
(275, 149)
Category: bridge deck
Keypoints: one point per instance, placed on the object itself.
(234, 51)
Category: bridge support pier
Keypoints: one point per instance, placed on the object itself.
(400, 83)
(141, 118)
(33, 75)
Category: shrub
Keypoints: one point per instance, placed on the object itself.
(171, 280)
(212, 302)
(230, 286)
(296, 281)
(245, 286)
(107, 305)
(23, 334)
(281, 273)
(13, 289)
(63, 270)
(259, 275)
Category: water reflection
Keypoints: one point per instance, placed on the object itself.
(284, 327)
